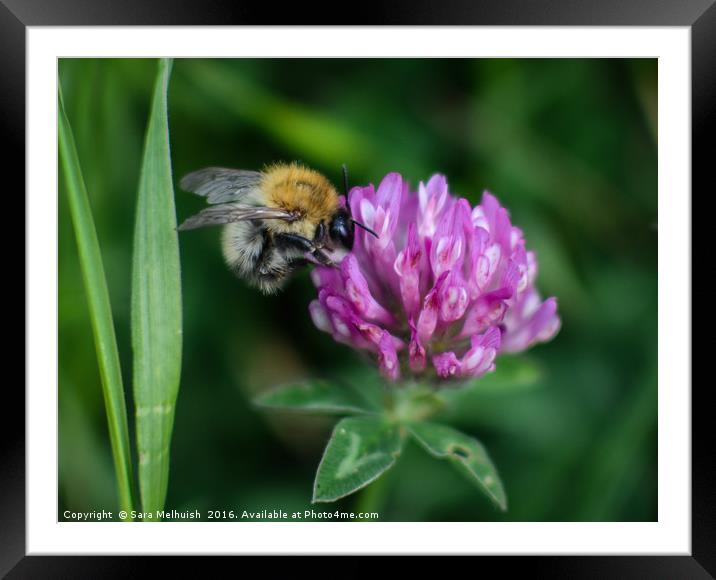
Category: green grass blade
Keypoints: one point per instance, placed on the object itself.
(156, 304)
(99, 307)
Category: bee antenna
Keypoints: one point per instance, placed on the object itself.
(366, 228)
(345, 181)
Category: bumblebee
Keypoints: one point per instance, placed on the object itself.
(275, 221)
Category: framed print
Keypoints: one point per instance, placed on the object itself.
(370, 289)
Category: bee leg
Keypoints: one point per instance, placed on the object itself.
(304, 245)
(323, 258)
(295, 241)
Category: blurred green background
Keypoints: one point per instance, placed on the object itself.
(568, 145)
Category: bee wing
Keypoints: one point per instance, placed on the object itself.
(230, 212)
(221, 185)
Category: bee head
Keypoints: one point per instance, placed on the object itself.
(342, 229)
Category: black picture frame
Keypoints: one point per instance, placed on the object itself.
(699, 15)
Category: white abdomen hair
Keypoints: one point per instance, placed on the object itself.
(252, 256)
(242, 243)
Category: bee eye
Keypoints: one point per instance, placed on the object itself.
(348, 234)
(342, 229)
